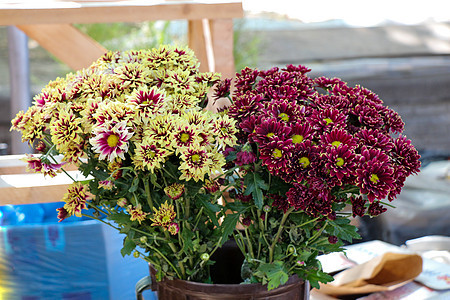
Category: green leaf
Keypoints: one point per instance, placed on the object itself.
(276, 274)
(342, 229)
(210, 209)
(255, 184)
(316, 276)
(187, 237)
(128, 246)
(119, 218)
(228, 225)
(134, 185)
(153, 180)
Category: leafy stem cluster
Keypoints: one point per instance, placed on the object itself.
(278, 243)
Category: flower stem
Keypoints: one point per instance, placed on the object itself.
(147, 192)
(280, 229)
(249, 243)
(166, 259)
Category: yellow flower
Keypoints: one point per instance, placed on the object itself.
(66, 130)
(75, 199)
(195, 164)
(149, 156)
(163, 216)
(136, 213)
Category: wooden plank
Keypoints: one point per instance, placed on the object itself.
(65, 42)
(123, 11)
(222, 43)
(196, 41)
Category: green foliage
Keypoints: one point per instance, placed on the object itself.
(255, 187)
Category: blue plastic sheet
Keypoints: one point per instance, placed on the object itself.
(41, 259)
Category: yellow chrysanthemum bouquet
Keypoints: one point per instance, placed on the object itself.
(135, 125)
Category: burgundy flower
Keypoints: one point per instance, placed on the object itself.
(375, 209)
(245, 80)
(338, 137)
(284, 111)
(300, 162)
(406, 155)
(326, 119)
(270, 130)
(332, 239)
(336, 101)
(300, 132)
(341, 162)
(369, 116)
(392, 121)
(245, 105)
(358, 206)
(279, 202)
(327, 83)
(376, 139)
(247, 221)
(222, 89)
(314, 202)
(244, 198)
(245, 158)
(374, 174)
(275, 155)
(301, 69)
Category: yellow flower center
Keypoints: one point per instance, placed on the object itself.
(165, 219)
(112, 140)
(328, 120)
(304, 161)
(374, 178)
(336, 143)
(283, 117)
(277, 153)
(184, 137)
(339, 162)
(296, 139)
(270, 134)
(195, 158)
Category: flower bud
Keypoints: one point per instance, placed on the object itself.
(204, 256)
(266, 208)
(300, 263)
(136, 254)
(143, 239)
(122, 202)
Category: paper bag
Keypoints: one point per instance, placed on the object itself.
(386, 272)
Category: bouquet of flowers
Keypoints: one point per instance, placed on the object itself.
(135, 126)
(311, 154)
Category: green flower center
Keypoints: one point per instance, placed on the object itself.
(165, 219)
(184, 137)
(112, 140)
(304, 162)
(283, 117)
(195, 158)
(374, 178)
(151, 154)
(339, 162)
(270, 134)
(328, 120)
(336, 143)
(277, 153)
(297, 138)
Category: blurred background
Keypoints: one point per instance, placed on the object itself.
(398, 49)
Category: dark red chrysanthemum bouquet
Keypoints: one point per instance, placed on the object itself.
(312, 154)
